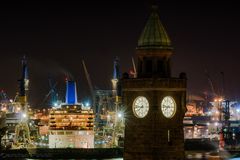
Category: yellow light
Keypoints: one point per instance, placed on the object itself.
(4, 109)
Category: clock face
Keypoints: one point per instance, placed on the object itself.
(140, 107)
(168, 107)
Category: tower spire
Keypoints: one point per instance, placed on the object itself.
(154, 49)
(154, 35)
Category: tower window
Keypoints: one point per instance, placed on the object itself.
(149, 66)
(140, 66)
(160, 67)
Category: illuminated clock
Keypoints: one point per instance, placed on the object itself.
(168, 107)
(140, 107)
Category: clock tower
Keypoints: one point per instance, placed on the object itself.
(155, 100)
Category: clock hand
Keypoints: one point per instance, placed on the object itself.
(138, 108)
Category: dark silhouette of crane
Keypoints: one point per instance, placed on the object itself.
(89, 82)
(211, 84)
(4, 97)
(224, 110)
(54, 100)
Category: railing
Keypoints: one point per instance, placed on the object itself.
(155, 83)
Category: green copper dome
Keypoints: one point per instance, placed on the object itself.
(154, 35)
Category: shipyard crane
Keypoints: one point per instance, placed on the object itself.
(224, 111)
(52, 92)
(4, 97)
(118, 116)
(210, 83)
(223, 84)
(134, 68)
(218, 99)
(22, 131)
(89, 82)
(4, 101)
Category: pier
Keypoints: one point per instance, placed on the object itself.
(61, 153)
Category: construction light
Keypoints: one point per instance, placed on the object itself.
(24, 115)
(87, 104)
(119, 115)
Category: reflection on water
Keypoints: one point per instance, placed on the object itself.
(189, 156)
(197, 156)
(78, 159)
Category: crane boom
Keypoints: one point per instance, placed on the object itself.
(88, 80)
(51, 91)
(223, 85)
(134, 68)
(210, 82)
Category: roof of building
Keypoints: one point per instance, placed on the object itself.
(154, 36)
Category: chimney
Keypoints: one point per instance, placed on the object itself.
(71, 92)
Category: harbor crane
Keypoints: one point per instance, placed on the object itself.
(4, 97)
(22, 132)
(52, 93)
(134, 68)
(223, 110)
(89, 83)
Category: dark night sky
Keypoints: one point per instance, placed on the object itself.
(57, 35)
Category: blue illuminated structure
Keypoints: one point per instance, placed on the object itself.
(24, 81)
(116, 69)
(116, 77)
(71, 93)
